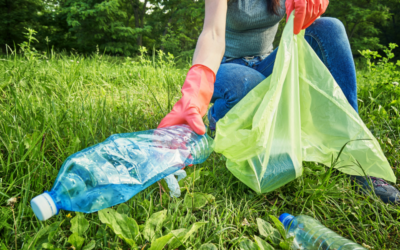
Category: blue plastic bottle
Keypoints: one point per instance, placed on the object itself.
(310, 234)
(115, 170)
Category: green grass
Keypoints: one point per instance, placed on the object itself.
(51, 108)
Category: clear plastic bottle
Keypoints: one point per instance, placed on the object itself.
(310, 234)
(115, 170)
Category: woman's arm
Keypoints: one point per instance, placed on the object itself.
(210, 46)
(199, 84)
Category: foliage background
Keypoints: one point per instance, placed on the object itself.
(120, 27)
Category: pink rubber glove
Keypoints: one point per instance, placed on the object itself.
(306, 11)
(196, 95)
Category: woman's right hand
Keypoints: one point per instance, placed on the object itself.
(306, 11)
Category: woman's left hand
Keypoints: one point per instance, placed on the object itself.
(306, 11)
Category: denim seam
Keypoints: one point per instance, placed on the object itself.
(318, 40)
(262, 71)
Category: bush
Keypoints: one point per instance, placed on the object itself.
(380, 83)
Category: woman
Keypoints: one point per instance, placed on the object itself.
(234, 54)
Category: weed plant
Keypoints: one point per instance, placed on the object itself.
(52, 106)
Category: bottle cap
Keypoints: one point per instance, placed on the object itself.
(43, 206)
(286, 219)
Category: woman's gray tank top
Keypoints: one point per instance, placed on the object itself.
(250, 28)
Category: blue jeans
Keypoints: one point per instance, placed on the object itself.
(237, 77)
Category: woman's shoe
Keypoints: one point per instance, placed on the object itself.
(382, 189)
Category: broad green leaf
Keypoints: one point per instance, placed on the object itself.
(160, 243)
(51, 236)
(90, 245)
(3, 247)
(181, 235)
(79, 224)
(247, 244)
(132, 226)
(53, 230)
(48, 235)
(153, 225)
(198, 200)
(42, 236)
(263, 245)
(76, 240)
(47, 246)
(123, 209)
(177, 240)
(268, 231)
(284, 245)
(107, 216)
(210, 198)
(194, 229)
(208, 246)
(123, 226)
(279, 226)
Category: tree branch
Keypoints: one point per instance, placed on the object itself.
(354, 29)
(143, 13)
(166, 28)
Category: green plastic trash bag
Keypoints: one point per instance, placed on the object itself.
(297, 114)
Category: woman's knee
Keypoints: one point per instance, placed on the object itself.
(329, 26)
(327, 36)
(234, 81)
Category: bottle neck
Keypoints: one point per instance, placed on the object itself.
(57, 201)
(200, 149)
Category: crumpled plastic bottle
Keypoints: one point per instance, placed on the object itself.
(310, 234)
(115, 170)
